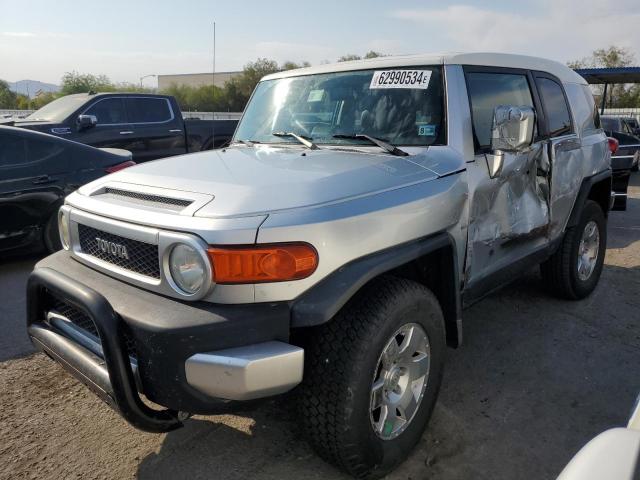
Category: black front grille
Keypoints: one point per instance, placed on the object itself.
(139, 257)
(82, 321)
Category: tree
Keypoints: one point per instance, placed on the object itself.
(349, 57)
(293, 65)
(619, 96)
(373, 54)
(8, 98)
(606, 58)
(41, 100)
(74, 82)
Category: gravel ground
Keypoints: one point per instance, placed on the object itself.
(535, 380)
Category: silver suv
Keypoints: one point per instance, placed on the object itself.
(331, 247)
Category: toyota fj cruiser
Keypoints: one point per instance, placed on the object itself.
(331, 247)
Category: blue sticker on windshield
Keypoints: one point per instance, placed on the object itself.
(427, 130)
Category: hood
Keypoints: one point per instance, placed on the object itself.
(256, 180)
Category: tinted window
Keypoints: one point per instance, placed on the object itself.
(555, 106)
(108, 111)
(39, 150)
(610, 124)
(147, 110)
(489, 90)
(12, 151)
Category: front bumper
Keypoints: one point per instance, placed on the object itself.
(193, 357)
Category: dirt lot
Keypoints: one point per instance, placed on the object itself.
(535, 380)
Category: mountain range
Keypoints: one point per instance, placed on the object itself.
(30, 87)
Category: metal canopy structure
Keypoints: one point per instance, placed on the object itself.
(607, 76)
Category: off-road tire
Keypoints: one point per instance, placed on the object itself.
(340, 360)
(560, 272)
(51, 235)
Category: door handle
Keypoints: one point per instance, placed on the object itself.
(175, 130)
(42, 179)
(126, 132)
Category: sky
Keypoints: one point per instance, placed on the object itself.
(125, 40)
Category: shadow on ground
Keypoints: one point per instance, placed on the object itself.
(536, 379)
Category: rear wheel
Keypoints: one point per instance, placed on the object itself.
(574, 270)
(372, 377)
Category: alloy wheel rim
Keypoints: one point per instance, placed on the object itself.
(399, 381)
(588, 250)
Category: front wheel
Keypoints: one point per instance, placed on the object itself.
(574, 270)
(372, 377)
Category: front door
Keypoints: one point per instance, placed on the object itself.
(509, 214)
(112, 130)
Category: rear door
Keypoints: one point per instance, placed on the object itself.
(157, 131)
(509, 214)
(32, 173)
(565, 152)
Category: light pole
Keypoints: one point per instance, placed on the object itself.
(146, 76)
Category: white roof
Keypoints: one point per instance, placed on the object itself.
(564, 73)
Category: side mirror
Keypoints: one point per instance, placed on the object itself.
(87, 121)
(512, 129)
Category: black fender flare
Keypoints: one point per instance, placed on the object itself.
(583, 195)
(321, 302)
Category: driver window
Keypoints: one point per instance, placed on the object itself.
(490, 90)
(108, 111)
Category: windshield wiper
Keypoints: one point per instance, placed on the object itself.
(305, 141)
(248, 143)
(392, 149)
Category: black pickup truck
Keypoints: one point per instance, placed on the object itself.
(149, 126)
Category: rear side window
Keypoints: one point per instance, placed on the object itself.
(489, 90)
(148, 110)
(108, 111)
(40, 150)
(594, 120)
(555, 106)
(13, 151)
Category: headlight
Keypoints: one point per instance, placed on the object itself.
(187, 267)
(63, 228)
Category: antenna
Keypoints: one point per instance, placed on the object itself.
(213, 91)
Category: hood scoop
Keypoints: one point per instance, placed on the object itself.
(150, 198)
(147, 199)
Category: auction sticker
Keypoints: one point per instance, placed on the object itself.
(400, 79)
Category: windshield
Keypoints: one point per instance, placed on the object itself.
(59, 109)
(398, 106)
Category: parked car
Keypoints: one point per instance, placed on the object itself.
(36, 172)
(622, 129)
(613, 454)
(621, 166)
(149, 126)
(331, 248)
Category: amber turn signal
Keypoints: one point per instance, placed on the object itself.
(263, 263)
